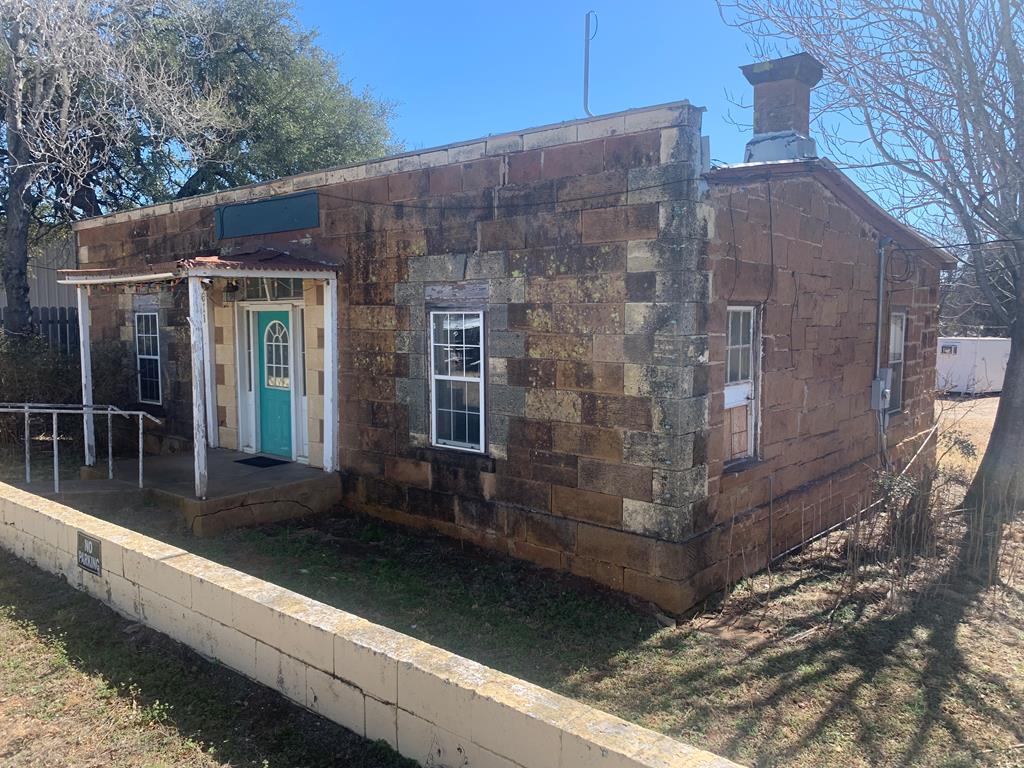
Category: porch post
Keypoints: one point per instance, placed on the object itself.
(330, 374)
(85, 357)
(209, 380)
(197, 335)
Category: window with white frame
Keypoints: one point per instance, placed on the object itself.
(275, 353)
(897, 345)
(147, 354)
(457, 381)
(739, 345)
(740, 414)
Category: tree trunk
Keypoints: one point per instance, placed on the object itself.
(996, 494)
(17, 317)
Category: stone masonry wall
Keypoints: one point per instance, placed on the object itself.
(592, 251)
(812, 268)
(582, 245)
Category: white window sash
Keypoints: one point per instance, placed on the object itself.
(435, 377)
(139, 356)
(744, 391)
(897, 356)
(748, 349)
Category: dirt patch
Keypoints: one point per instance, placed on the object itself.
(972, 417)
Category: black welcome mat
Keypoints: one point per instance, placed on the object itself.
(260, 461)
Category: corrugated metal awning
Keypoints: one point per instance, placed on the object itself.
(261, 262)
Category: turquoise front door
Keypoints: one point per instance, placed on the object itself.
(275, 391)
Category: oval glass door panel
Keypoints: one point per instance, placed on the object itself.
(275, 397)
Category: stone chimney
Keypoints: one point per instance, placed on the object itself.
(782, 108)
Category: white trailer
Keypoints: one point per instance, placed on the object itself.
(971, 365)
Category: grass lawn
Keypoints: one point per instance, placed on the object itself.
(80, 685)
(786, 673)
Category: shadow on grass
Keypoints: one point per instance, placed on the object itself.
(882, 689)
(240, 722)
(515, 617)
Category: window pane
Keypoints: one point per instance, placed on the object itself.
(896, 388)
(472, 391)
(456, 334)
(745, 323)
(440, 359)
(744, 363)
(472, 361)
(472, 329)
(459, 395)
(443, 394)
(440, 332)
(734, 329)
(444, 425)
(473, 429)
(149, 380)
(897, 336)
(456, 356)
(733, 365)
(459, 427)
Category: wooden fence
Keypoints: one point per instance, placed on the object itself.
(58, 325)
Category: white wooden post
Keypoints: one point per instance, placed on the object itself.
(197, 334)
(85, 356)
(212, 433)
(331, 374)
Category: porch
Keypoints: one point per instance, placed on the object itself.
(237, 356)
(242, 489)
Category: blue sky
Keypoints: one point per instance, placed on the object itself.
(459, 70)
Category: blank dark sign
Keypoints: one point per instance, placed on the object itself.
(261, 217)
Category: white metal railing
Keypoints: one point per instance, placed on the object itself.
(55, 410)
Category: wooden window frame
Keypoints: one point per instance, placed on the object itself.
(752, 382)
(899, 360)
(478, 448)
(139, 357)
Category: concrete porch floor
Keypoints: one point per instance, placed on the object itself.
(237, 494)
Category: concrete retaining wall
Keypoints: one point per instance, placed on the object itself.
(429, 704)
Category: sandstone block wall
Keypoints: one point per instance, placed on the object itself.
(811, 265)
(582, 245)
(603, 268)
(430, 705)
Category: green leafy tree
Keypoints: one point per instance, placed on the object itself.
(78, 82)
(291, 109)
(124, 103)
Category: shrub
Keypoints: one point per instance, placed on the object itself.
(31, 371)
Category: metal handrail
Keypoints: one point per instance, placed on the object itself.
(55, 409)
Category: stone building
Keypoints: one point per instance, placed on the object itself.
(578, 344)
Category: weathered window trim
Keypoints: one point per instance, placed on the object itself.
(748, 387)
(897, 360)
(140, 356)
(480, 381)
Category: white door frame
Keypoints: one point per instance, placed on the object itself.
(247, 356)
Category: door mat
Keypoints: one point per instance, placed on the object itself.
(260, 461)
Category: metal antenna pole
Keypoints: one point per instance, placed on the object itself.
(587, 37)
